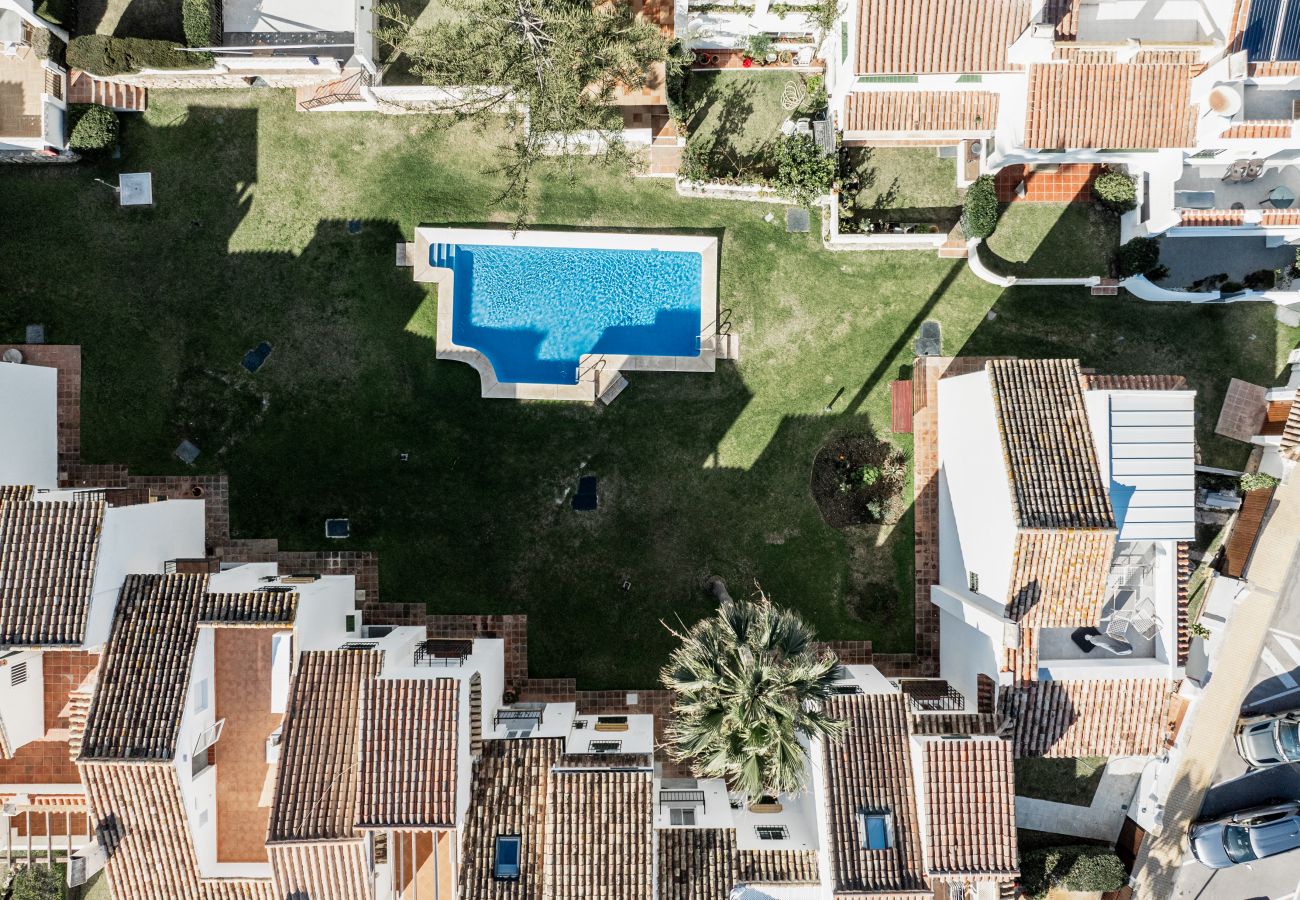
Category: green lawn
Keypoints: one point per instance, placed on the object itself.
(737, 116)
(159, 19)
(1052, 240)
(698, 473)
(1065, 780)
(901, 184)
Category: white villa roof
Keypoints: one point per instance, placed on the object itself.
(289, 15)
(29, 442)
(1146, 447)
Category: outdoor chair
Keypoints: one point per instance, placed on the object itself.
(1254, 169)
(1237, 171)
(1141, 617)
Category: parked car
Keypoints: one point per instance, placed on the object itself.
(1247, 835)
(1270, 740)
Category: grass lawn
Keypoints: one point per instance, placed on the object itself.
(1066, 780)
(698, 473)
(902, 184)
(738, 116)
(1052, 240)
(159, 19)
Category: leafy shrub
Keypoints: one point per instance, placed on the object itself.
(1254, 481)
(760, 45)
(817, 99)
(1138, 256)
(676, 76)
(199, 19)
(1260, 280)
(1232, 287)
(102, 54)
(48, 45)
(1079, 867)
(980, 209)
(802, 169)
(94, 128)
(1116, 190)
(39, 883)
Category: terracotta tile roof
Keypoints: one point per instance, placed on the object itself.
(15, 492)
(871, 769)
(139, 806)
(1048, 446)
(508, 798)
(145, 674)
(1280, 217)
(599, 835)
(908, 37)
(970, 803)
(1089, 55)
(47, 567)
(704, 864)
(1290, 445)
(1094, 382)
(269, 608)
(1109, 106)
(1108, 717)
(945, 111)
(1184, 582)
(321, 870)
(1211, 218)
(316, 785)
(408, 753)
(939, 724)
(1058, 578)
(1265, 130)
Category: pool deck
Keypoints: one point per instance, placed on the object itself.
(599, 374)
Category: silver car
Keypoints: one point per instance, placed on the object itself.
(1270, 740)
(1246, 836)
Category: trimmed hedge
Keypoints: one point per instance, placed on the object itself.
(980, 209)
(48, 45)
(102, 54)
(94, 127)
(199, 19)
(1138, 256)
(1116, 190)
(1075, 867)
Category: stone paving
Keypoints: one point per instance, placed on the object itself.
(1071, 183)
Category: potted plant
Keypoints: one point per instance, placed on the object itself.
(785, 57)
(759, 47)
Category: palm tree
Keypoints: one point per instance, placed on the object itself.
(749, 683)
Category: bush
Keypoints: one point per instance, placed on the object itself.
(93, 128)
(760, 45)
(48, 45)
(980, 209)
(39, 883)
(102, 54)
(802, 169)
(1138, 256)
(1254, 481)
(199, 19)
(1115, 190)
(1076, 867)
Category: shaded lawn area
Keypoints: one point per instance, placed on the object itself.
(901, 184)
(737, 116)
(157, 19)
(1052, 240)
(1070, 780)
(698, 473)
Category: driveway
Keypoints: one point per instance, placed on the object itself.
(1275, 686)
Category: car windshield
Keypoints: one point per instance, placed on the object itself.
(1236, 842)
(1288, 736)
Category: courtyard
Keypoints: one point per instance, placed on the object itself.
(275, 226)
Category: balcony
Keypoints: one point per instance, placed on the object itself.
(1204, 188)
(446, 653)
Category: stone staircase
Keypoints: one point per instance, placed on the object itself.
(78, 712)
(1109, 287)
(955, 246)
(86, 88)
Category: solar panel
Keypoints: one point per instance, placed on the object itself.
(1288, 45)
(1261, 28)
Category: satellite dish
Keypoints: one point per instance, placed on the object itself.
(13, 355)
(1225, 100)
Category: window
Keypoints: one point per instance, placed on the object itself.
(349, 624)
(203, 818)
(889, 79)
(201, 696)
(877, 830)
(210, 736)
(18, 674)
(772, 832)
(683, 817)
(506, 867)
(974, 580)
(605, 746)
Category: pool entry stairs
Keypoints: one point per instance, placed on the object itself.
(444, 256)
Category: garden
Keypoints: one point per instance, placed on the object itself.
(285, 234)
(898, 190)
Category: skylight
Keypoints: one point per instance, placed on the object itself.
(507, 857)
(877, 830)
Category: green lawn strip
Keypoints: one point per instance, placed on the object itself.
(1052, 240)
(902, 184)
(699, 474)
(1065, 780)
(738, 115)
(156, 19)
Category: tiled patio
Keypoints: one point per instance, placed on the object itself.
(1069, 183)
(1250, 194)
(22, 80)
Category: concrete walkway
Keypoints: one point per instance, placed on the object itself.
(1271, 569)
(1102, 820)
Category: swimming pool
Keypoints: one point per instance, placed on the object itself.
(561, 315)
(535, 311)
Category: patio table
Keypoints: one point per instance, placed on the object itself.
(1281, 197)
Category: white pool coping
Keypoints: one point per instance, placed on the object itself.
(597, 371)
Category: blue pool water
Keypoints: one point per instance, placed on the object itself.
(534, 311)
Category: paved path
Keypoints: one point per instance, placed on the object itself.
(1271, 573)
(1102, 820)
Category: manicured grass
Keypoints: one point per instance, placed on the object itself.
(1052, 240)
(159, 19)
(902, 184)
(698, 473)
(738, 116)
(1066, 780)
